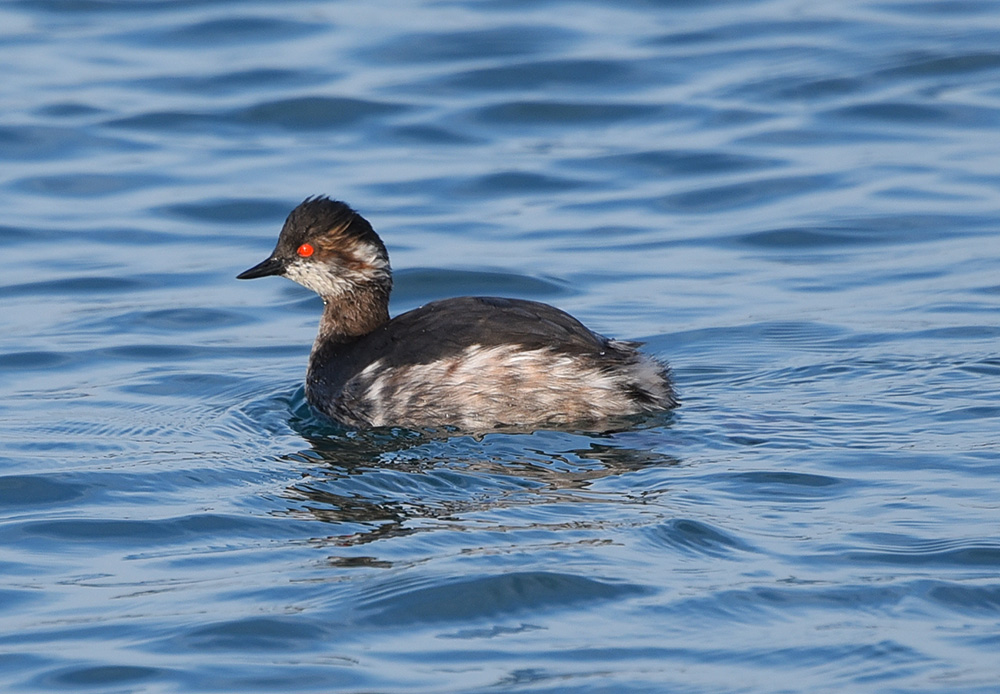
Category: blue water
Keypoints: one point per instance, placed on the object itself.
(796, 204)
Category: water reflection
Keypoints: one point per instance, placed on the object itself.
(388, 483)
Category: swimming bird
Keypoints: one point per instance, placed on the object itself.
(474, 363)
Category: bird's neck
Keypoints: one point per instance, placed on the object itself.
(349, 316)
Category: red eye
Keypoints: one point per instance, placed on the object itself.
(306, 250)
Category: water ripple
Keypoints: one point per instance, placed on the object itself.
(491, 596)
(237, 30)
(795, 204)
(451, 46)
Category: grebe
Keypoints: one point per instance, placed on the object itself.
(473, 363)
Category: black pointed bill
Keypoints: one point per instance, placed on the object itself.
(271, 266)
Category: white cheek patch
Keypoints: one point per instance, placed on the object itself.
(322, 279)
(333, 279)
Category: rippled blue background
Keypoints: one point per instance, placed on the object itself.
(797, 204)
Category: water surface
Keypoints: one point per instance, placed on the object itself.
(795, 204)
